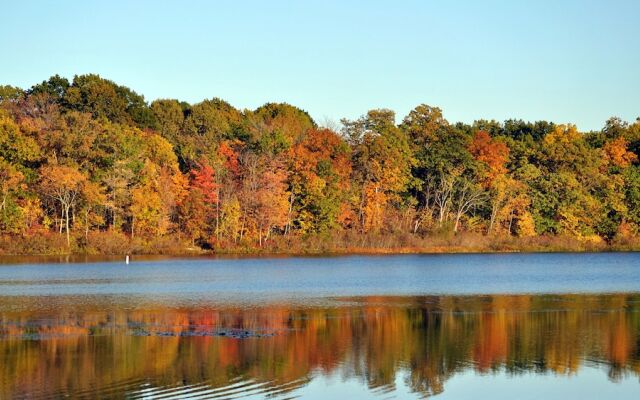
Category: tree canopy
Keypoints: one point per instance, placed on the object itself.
(88, 155)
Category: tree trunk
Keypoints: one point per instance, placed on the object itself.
(67, 225)
(510, 221)
(494, 213)
(288, 226)
(458, 216)
(361, 211)
(218, 214)
(86, 225)
(443, 212)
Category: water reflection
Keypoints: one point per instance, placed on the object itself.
(278, 350)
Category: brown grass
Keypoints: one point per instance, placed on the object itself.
(346, 242)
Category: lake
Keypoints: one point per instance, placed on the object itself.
(498, 326)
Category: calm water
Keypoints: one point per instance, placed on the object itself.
(456, 326)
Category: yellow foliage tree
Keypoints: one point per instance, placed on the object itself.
(616, 153)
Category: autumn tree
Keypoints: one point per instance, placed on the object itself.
(271, 202)
(15, 146)
(147, 217)
(467, 196)
(118, 181)
(229, 179)
(616, 153)
(64, 185)
(201, 203)
(320, 170)
(382, 161)
(11, 184)
(492, 155)
(265, 196)
(443, 165)
(289, 121)
(90, 207)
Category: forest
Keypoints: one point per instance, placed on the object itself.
(90, 166)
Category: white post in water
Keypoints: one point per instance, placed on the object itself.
(126, 260)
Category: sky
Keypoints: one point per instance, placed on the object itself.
(563, 61)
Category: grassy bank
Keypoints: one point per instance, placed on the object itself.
(110, 243)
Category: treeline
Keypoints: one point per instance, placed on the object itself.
(91, 166)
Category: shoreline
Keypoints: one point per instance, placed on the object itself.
(107, 246)
(6, 259)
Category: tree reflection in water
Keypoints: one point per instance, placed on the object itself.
(277, 349)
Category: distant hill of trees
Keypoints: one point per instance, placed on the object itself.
(91, 166)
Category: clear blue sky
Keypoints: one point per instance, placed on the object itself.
(566, 61)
